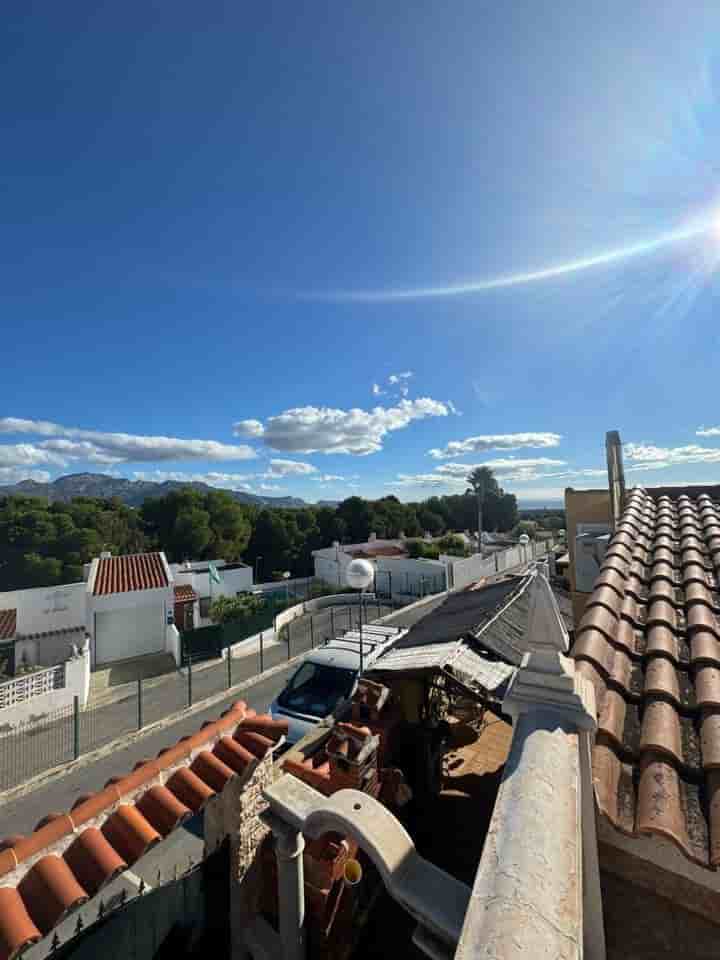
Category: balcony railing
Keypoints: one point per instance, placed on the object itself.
(32, 685)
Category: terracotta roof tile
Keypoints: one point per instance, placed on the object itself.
(17, 930)
(8, 624)
(93, 860)
(139, 571)
(184, 592)
(111, 829)
(654, 661)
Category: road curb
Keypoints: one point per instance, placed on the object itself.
(64, 770)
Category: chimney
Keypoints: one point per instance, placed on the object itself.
(373, 536)
(106, 554)
(401, 535)
(616, 475)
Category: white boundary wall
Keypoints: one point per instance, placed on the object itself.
(77, 684)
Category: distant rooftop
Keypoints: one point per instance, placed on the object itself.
(139, 571)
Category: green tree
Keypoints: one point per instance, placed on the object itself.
(356, 514)
(482, 482)
(431, 522)
(528, 527)
(235, 609)
(452, 545)
(191, 533)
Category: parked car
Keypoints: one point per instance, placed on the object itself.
(329, 675)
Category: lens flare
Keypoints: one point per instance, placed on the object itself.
(643, 248)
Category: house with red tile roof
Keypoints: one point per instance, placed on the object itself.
(125, 609)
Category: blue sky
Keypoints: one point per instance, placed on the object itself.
(326, 248)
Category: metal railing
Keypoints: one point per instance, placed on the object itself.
(31, 685)
(41, 743)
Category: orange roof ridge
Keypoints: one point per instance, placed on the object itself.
(70, 856)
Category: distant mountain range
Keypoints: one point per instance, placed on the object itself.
(132, 492)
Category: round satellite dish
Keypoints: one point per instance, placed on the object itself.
(523, 539)
(359, 574)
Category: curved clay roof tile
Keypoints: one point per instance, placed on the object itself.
(661, 729)
(49, 890)
(700, 617)
(233, 755)
(190, 789)
(212, 770)
(93, 860)
(707, 686)
(662, 640)
(612, 719)
(661, 678)
(264, 724)
(17, 930)
(256, 743)
(710, 739)
(712, 787)
(162, 809)
(659, 804)
(130, 833)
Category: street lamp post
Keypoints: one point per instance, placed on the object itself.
(359, 576)
(257, 567)
(286, 577)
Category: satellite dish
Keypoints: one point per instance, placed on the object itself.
(359, 574)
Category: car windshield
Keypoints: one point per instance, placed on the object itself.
(316, 689)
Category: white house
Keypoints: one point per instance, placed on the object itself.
(396, 573)
(235, 578)
(130, 602)
(124, 610)
(330, 563)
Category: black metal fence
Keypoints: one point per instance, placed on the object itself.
(44, 742)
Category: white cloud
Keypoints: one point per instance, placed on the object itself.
(248, 428)
(498, 441)
(270, 487)
(376, 390)
(707, 432)
(330, 430)
(395, 378)
(648, 456)
(424, 480)
(461, 470)
(288, 468)
(17, 474)
(453, 476)
(125, 447)
(330, 478)
(28, 455)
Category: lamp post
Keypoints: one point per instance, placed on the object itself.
(359, 576)
(286, 577)
(257, 567)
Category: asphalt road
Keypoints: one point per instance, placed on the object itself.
(50, 742)
(21, 816)
(22, 757)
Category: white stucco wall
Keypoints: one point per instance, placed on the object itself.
(173, 643)
(407, 575)
(233, 582)
(77, 684)
(40, 609)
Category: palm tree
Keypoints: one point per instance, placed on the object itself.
(481, 482)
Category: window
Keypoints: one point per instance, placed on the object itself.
(316, 689)
(205, 607)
